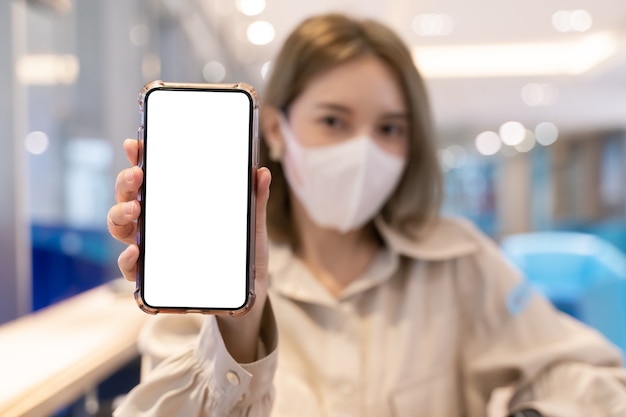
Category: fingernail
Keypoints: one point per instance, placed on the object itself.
(129, 207)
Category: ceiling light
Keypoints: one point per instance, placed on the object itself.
(213, 72)
(572, 20)
(452, 157)
(488, 143)
(140, 35)
(512, 133)
(572, 57)
(546, 133)
(527, 143)
(432, 24)
(260, 32)
(251, 7)
(539, 94)
(36, 142)
(47, 69)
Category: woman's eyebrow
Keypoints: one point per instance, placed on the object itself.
(395, 115)
(345, 109)
(334, 106)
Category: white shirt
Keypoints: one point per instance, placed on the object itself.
(430, 329)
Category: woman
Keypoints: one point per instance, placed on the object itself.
(381, 307)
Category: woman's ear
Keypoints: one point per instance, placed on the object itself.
(272, 134)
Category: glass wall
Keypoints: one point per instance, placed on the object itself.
(79, 73)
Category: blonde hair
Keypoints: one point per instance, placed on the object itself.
(321, 43)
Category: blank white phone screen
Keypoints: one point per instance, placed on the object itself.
(197, 170)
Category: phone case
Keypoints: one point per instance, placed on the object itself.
(254, 97)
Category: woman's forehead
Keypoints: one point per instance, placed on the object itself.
(362, 81)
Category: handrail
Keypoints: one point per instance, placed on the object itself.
(51, 357)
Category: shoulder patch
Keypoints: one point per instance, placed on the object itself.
(519, 297)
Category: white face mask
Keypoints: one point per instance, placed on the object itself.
(341, 186)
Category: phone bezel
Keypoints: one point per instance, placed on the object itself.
(252, 95)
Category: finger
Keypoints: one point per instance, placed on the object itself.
(127, 184)
(264, 178)
(121, 221)
(131, 146)
(127, 262)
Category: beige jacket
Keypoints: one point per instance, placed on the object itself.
(429, 330)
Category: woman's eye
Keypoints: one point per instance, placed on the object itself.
(331, 121)
(392, 130)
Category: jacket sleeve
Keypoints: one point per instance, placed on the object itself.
(194, 375)
(553, 363)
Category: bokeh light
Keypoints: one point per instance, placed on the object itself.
(446, 159)
(539, 94)
(572, 20)
(452, 157)
(488, 143)
(140, 34)
(36, 142)
(512, 133)
(432, 24)
(528, 143)
(213, 72)
(251, 7)
(151, 66)
(265, 69)
(260, 32)
(546, 133)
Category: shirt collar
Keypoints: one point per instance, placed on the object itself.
(444, 239)
(290, 277)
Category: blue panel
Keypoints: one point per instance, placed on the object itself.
(68, 261)
(582, 274)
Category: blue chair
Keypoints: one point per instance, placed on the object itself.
(581, 274)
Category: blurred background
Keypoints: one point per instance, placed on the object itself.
(529, 100)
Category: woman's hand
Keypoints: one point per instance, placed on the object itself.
(240, 333)
(122, 217)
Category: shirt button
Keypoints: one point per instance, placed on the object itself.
(233, 378)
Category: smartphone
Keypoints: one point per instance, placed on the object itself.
(198, 148)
